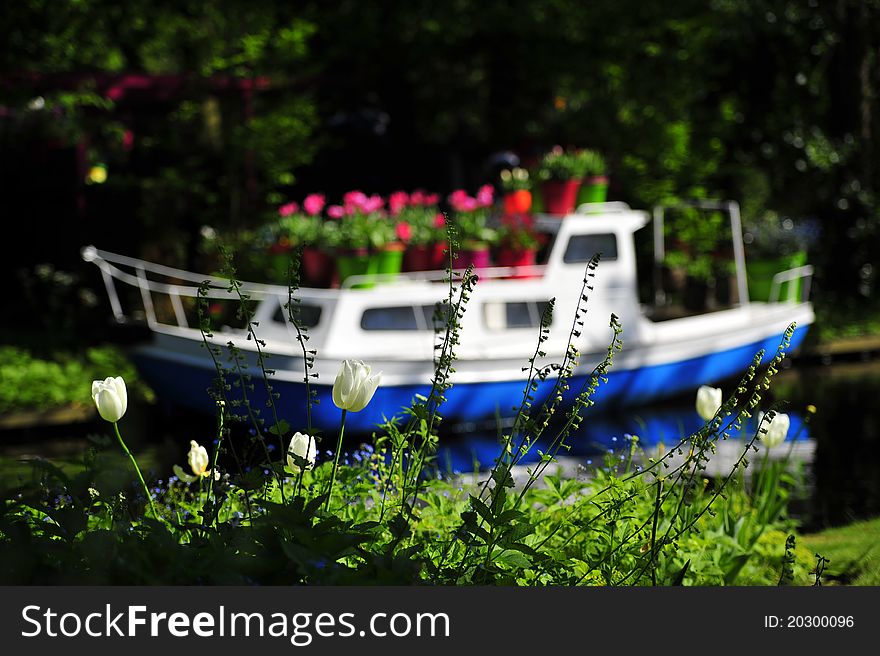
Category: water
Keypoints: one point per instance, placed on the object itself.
(839, 447)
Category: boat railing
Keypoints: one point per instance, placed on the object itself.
(791, 276)
(134, 272)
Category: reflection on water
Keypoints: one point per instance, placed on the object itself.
(655, 426)
(839, 447)
(846, 471)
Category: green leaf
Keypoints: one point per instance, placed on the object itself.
(281, 428)
(679, 578)
(518, 546)
(514, 560)
(504, 480)
(482, 509)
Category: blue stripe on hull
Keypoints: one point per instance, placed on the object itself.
(187, 385)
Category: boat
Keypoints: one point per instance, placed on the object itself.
(388, 322)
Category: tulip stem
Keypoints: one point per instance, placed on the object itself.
(335, 461)
(137, 469)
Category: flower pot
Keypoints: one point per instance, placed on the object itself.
(518, 202)
(478, 255)
(318, 267)
(279, 260)
(425, 257)
(560, 196)
(593, 190)
(514, 257)
(760, 272)
(390, 259)
(356, 262)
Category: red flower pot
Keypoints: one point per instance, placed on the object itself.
(428, 257)
(317, 268)
(518, 202)
(510, 257)
(560, 196)
(479, 257)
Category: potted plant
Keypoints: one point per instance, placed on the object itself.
(517, 191)
(303, 228)
(773, 245)
(517, 243)
(425, 227)
(560, 173)
(594, 188)
(355, 231)
(470, 216)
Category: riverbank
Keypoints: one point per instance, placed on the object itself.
(853, 552)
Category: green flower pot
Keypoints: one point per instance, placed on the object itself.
(760, 272)
(389, 260)
(357, 263)
(593, 190)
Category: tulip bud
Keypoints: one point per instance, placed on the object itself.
(708, 401)
(302, 446)
(198, 461)
(110, 398)
(355, 385)
(197, 458)
(777, 429)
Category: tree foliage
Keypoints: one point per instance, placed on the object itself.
(772, 102)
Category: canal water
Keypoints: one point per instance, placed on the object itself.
(838, 448)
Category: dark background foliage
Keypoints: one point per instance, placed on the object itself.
(214, 113)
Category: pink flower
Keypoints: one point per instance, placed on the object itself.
(354, 200)
(372, 204)
(485, 196)
(397, 201)
(469, 204)
(313, 204)
(439, 220)
(417, 198)
(288, 209)
(335, 211)
(431, 199)
(404, 232)
(458, 199)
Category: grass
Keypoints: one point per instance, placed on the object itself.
(853, 551)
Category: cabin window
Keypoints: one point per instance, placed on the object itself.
(390, 318)
(581, 248)
(404, 317)
(308, 315)
(434, 319)
(515, 314)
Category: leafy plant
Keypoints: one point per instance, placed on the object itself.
(31, 383)
(559, 164)
(516, 179)
(592, 162)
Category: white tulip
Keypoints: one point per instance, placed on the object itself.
(110, 397)
(198, 461)
(197, 458)
(303, 446)
(777, 429)
(355, 385)
(708, 401)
